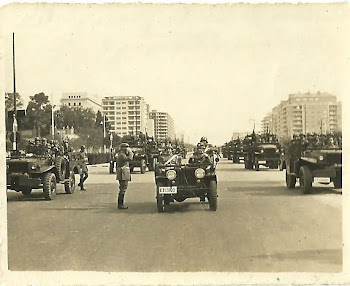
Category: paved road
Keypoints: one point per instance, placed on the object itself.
(260, 225)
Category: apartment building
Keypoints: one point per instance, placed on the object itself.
(127, 115)
(164, 125)
(81, 100)
(305, 113)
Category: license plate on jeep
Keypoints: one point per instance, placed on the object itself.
(168, 190)
(262, 161)
(322, 180)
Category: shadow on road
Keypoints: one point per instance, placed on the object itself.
(332, 256)
(258, 188)
(33, 197)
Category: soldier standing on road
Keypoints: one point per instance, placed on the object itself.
(85, 172)
(124, 156)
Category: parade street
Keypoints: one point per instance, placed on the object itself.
(259, 225)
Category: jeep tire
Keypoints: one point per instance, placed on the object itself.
(160, 199)
(337, 181)
(26, 191)
(69, 186)
(290, 180)
(60, 165)
(213, 195)
(49, 186)
(305, 180)
(143, 166)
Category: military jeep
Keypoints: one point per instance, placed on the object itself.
(33, 171)
(313, 165)
(178, 182)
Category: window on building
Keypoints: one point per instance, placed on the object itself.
(68, 103)
(74, 103)
(79, 103)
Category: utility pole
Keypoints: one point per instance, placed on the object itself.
(104, 133)
(14, 124)
(52, 119)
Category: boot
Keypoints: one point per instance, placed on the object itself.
(121, 202)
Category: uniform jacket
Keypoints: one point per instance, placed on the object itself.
(123, 168)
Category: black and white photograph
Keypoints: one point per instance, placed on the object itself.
(173, 144)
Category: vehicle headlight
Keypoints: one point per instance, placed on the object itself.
(199, 173)
(321, 158)
(33, 167)
(171, 174)
(262, 151)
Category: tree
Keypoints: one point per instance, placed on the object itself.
(9, 104)
(77, 117)
(9, 101)
(39, 114)
(99, 120)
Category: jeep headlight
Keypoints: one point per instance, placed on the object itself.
(262, 151)
(33, 167)
(321, 158)
(171, 174)
(199, 173)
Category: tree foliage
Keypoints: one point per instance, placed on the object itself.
(38, 114)
(79, 118)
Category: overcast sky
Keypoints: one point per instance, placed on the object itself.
(214, 69)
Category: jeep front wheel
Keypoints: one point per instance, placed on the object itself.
(305, 180)
(290, 180)
(213, 196)
(60, 165)
(49, 186)
(337, 181)
(143, 166)
(26, 191)
(160, 199)
(69, 187)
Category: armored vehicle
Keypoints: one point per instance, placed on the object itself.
(43, 167)
(312, 163)
(177, 182)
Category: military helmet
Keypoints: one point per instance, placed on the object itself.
(124, 145)
(200, 145)
(204, 139)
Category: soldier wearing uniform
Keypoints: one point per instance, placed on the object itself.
(124, 156)
(199, 156)
(85, 172)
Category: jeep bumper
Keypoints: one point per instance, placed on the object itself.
(18, 181)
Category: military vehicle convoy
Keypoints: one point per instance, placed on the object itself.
(261, 150)
(313, 159)
(177, 182)
(237, 152)
(43, 165)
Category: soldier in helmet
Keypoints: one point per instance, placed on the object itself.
(85, 172)
(124, 156)
(199, 156)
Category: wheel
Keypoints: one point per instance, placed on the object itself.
(60, 165)
(337, 181)
(290, 180)
(111, 167)
(160, 200)
(256, 166)
(26, 191)
(49, 186)
(213, 196)
(152, 163)
(143, 166)
(180, 199)
(305, 180)
(69, 186)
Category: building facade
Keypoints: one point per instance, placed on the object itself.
(81, 100)
(305, 113)
(164, 125)
(127, 115)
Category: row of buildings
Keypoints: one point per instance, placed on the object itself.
(304, 113)
(127, 115)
